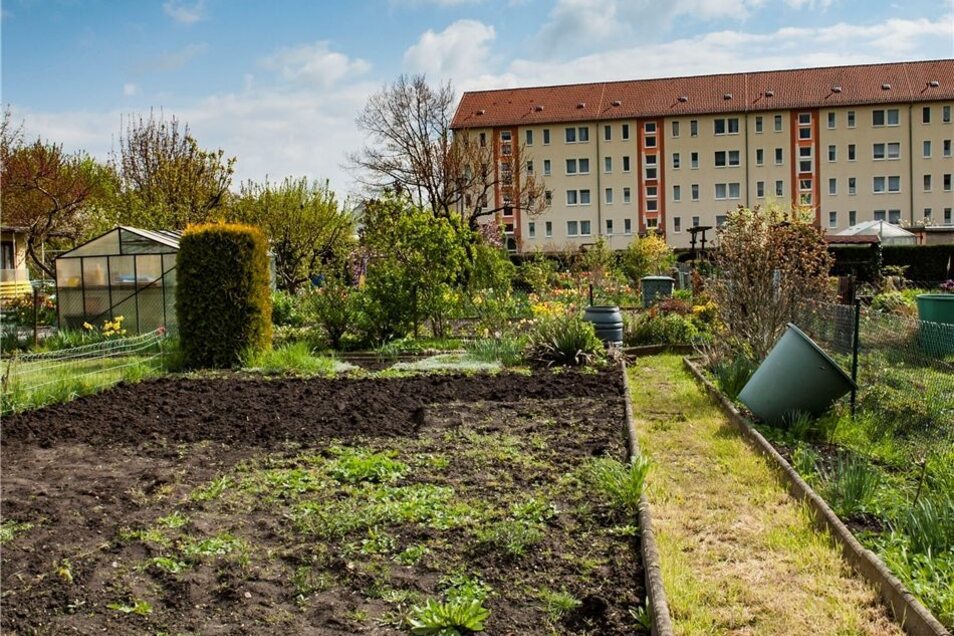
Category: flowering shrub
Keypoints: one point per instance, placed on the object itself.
(947, 287)
(110, 329)
(19, 310)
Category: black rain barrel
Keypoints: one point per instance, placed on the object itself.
(608, 322)
(656, 287)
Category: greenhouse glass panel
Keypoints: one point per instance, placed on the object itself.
(95, 289)
(68, 273)
(105, 245)
(134, 243)
(70, 304)
(127, 309)
(148, 269)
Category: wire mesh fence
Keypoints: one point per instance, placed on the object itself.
(34, 379)
(904, 369)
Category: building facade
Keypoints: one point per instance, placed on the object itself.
(853, 143)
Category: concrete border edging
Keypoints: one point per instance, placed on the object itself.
(655, 592)
(915, 619)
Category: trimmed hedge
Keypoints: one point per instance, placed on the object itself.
(926, 263)
(223, 300)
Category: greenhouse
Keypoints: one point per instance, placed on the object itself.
(126, 272)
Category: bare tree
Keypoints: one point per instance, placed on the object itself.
(44, 190)
(412, 149)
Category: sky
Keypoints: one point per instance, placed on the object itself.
(278, 84)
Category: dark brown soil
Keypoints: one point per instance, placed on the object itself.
(87, 482)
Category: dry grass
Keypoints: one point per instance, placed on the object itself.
(739, 555)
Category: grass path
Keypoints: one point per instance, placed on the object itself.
(739, 555)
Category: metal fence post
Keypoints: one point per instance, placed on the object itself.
(855, 345)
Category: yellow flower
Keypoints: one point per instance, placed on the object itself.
(87, 326)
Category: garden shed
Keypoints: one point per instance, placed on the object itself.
(126, 272)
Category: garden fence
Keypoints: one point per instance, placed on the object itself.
(34, 379)
(904, 368)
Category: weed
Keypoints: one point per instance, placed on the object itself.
(463, 586)
(930, 524)
(454, 617)
(851, 486)
(213, 490)
(533, 510)
(168, 564)
(65, 571)
(174, 520)
(510, 535)
(507, 350)
(353, 465)
(307, 581)
(218, 545)
(150, 535)
(621, 485)
(138, 607)
(642, 616)
(805, 461)
(558, 604)
(377, 542)
(295, 358)
(731, 376)
(411, 555)
(9, 529)
(803, 426)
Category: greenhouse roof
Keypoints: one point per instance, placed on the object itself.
(124, 240)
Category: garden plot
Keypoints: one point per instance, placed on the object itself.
(322, 506)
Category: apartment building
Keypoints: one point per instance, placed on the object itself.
(853, 143)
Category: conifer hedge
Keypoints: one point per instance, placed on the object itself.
(223, 300)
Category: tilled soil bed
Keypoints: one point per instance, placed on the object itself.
(246, 506)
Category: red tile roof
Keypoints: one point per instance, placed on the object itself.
(728, 93)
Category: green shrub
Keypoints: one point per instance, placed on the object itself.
(335, 307)
(925, 263)
(507, 350)
(851, 486)
(286, 310)
(900, 408)
(455, 617)
(732, 375)
(566, 339)
(649, 328)
(294, 358)
(897, 302)
(223, 301)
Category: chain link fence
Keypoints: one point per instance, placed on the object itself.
(35, 379)
(904, 368)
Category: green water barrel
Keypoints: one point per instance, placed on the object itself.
(796, 376)
(608, 322)
(656, 287)
(936, 332)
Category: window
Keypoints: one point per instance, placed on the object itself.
(946, 114)
(926, 150)
(832, 219)
(947, 182)
(694, 160)
(947, 147)
(529, 137)
(570, 137)
(833, 186)
(529, 167)
(728, 126)
(652, 191)
(804, 185)
(759, 156)
(546, 167)
(624, 132)
(609, 227)
(693, 128)
(725, 158)
(546, 136)
(695, 221)
(778, 123)
(695, 191)
(627, 195)
(804, 119)
(584, 166)
(676, 193)
(851, 122)
(832, 152)
(927, 183)
(676, 224)
(947, 214)
(650, 127)
(584, 197)
(608, 194)
(584, 134)
(627, 226)
(607, 165)
(650, 167)
(720, 220)
(676, 163)
(779, 159)
(571, 166)
(804, 125)
(758, 124)
(532, 229)
(889, 117)
(894, 216)
(572, 228)
(886, 184)
(831, 120)
(852, 186)
(585, 228)
(675, 129)
(926, 115)
(548, 197)
(760, 189)
(626, 163)
(852, 217)
(652, 205)
(805, 159)
(607, 133)
(572, 197)
(482, 139)
(652, 224)
(779, 188)
(886, 151)
(548, 229)
(650, 141)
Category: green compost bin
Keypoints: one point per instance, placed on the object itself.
(796, 376)
(607, 321)
(936, 332)
(655, 287)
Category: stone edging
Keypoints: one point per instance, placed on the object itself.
(914, 618)
(655, 593)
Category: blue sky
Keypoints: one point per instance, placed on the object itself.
(278, 84)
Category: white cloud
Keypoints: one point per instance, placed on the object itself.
(314, 64)
(183, 12)
(462, 49)
(130, 89)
